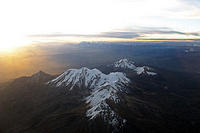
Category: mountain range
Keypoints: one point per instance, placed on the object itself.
(128, 99)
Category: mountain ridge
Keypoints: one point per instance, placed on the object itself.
(145, 104)
(102, 87)
(130, 65)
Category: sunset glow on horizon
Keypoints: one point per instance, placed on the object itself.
(24, 22)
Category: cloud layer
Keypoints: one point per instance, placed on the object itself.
(98, 19)
(138, 33)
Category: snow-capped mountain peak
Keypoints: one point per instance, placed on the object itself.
(102, 87)
(89, 78)
(144, 70)
(124, 63)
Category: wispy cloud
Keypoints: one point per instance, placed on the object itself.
(103, 35)
(139, 32)
(185, 9)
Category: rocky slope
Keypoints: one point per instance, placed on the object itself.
(102, 87)
(89, 101)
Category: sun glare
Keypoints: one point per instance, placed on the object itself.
(22, 18)
(11, 42)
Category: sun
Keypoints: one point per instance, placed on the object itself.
(9, 43)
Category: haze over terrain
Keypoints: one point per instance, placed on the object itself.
(102, 87)
(54, 59)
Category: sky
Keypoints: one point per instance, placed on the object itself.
(25, 22)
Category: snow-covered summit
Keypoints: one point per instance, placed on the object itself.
(102, 87)
(89, 78)
(145, 70)
(127, 64)
(124, 63)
